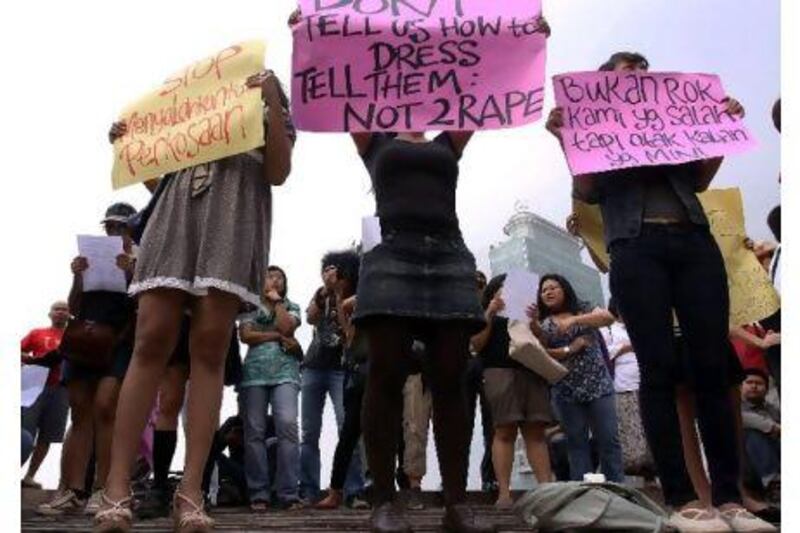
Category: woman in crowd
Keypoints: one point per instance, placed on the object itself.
(585, 396)
(271, 378)
(204, 247)
(346, 265)
(664, 256)
(518, 398)
(93, 391)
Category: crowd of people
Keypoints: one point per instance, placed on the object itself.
(406, 335)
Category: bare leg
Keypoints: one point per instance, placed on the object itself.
(449, 352)
(170, 400)
(157, 329)
(78, 449)
(503, 459)
(537, 451)
(39, 453)
(105, 408)
(213, 317)
(691, 446)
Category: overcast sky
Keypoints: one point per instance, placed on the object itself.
(78, 64)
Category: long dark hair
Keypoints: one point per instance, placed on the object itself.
(571, 302)
(491, 289)
(276, 268)
(347, 263)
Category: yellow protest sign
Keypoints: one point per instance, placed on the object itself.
(752, 296)
(202, 113)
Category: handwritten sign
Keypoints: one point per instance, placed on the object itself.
(415, 65)
(202, 113)
(615, 120)
(752, 296)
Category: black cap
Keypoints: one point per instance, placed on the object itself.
(119, 212)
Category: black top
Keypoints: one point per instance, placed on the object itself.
(414, 183)
(105, 307)
(326, 349)
(627, 196)
(495, 353)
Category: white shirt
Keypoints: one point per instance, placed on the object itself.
(626, 367)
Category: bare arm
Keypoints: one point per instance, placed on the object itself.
(597, 318)
(278, 145)
(249, 336)
(152, 185)
(460, 139)
(706, 170)
(78, 266)
(315, 308)
(285, 322)
(576, 346)
(480, 339)
(362, 140)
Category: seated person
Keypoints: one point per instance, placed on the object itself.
(762, 434)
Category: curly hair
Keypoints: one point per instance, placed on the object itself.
(347, 263)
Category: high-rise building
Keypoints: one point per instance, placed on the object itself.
(537, 245)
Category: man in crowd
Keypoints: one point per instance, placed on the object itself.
(762, 433)
(46, 418)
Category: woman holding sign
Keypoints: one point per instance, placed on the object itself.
(204, 247)
(664, 256)
(418, 283)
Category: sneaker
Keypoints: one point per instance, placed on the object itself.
(691, 520)
(63, 502)
(414, 499)
(357, 503)
(741, 520)
(29, 483)
(93, 505)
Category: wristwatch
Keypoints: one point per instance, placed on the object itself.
(566, 350)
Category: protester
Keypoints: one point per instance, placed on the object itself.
(323, 375)
(636, 456)
(751, 342)
(475, 393)
(773, 322)
(45, 420)
(204, 246)
(344, 275)
(519, 398)
(271, 379)
(762, 433)
(93, 390)
(664, 256)
(584, 398)
(232, 482)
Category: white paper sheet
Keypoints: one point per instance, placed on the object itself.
(103, 273)
(519, 291)
(33, 380)
(370, 233)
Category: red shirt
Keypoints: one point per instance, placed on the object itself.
(41, 341)
(751, 356)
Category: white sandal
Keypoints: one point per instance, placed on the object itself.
(194, 520)
(691, 520)
(742, 520)
(113, 517)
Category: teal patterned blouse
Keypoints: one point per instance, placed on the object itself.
(267, 364)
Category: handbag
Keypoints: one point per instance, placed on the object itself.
(89, 343)
(525, 348)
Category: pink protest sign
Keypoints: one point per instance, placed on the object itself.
(412, 65)
(616, 120)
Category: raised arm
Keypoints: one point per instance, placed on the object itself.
(481, 339)
(278, 144)
(459, 140)
(362, 140)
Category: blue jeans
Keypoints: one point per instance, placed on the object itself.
(283, 400)
(316, 384)
(600, 416)
(763, 455)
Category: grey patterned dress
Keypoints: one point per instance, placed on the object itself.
(210, 229)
